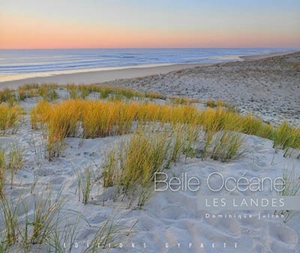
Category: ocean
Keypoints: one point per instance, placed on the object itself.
(21, 64)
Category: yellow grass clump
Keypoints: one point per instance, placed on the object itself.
(211, 103)
(47, 91)
(287, 137)
(133, 163)
(62, 123)
(183, 100)
(101, 118)
(27, 91)
(112, 92)
(9, 117)
(154, 95)
(98, 119)
(113, 117)
(8, 96)
(142, 156)
(40, 114)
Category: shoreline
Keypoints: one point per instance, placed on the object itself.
(99, 76)
(113, 74)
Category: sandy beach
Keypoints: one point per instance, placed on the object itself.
(108, 75)
(266, 85)
(170, 221)
(99, 76)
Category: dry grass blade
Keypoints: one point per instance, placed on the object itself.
(46, 211)
(110, 234)
(15, 161)
(2, 171)
(10, 221)
(227, 146)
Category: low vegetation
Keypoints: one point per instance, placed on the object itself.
(85, 185)
(2, 171)
(111, 234)
(93, 119)
(50, 92)
(10, 162)
(15, 161)
(227, 146)
(183, 100)
(287, 138)
(9, 116)
(133, 163)
(218, 116)
(159, 136)
(291, 187)
(51, 227)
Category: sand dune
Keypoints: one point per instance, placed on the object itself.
(173, 221)
(266, 87)
(170, 221)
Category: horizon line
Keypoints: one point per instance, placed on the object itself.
(74, 48)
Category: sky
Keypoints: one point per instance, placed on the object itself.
(37, 24)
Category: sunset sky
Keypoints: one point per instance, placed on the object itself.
(149, 23)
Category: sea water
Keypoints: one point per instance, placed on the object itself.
(20, 64)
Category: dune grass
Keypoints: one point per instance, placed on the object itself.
(183, 100)
(35, 228)
(27, 91)
(286, 138)
(8, 96)
(63, 238)
(40, 115)
(211, 103)
(135, 161)
(227, 146)
(2, 171)
(85, 184)
(219, 115)
(47, 92)
(290, 187)
(10, 220)
(49, 227)
(9, 116)
(51, 92)
(113, 232)
(163, 133)
(182, 137)
(11, 162)
(94, 119)
(46, 212)
(100, 118)
(291, 183)
(83, 91)
(14, 161)
(132, 164)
